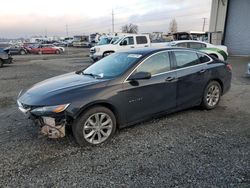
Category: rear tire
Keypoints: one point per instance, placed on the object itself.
(40, 52)
(95, 126)
(212, 95)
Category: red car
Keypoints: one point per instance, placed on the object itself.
(44, 49)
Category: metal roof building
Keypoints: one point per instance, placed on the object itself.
(230, 25)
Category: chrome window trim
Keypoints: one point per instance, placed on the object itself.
(170, 50)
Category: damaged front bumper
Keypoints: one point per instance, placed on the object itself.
(52, 125)
(51, 128)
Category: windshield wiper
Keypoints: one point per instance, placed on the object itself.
(91, 74)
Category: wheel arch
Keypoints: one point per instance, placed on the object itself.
(103, 104)
(109, 51)
(219, 81)
(215, 55)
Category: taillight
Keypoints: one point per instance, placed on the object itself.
(229, 66)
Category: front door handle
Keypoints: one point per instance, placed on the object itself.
(132, 47)
(171, 79)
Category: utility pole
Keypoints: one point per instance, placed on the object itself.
(67, 30)
(113, 25)
(45, 32)
(204, 23)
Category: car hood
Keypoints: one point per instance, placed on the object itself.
(108, 46)
(56, 87)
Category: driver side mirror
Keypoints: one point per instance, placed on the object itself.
(124, 43)
(140, 76)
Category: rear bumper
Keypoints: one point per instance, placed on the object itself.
(248, 69)
(227, 84)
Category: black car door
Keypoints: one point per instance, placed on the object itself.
(191, 70)
(149, 96)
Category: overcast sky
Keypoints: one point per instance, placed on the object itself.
(24, 18)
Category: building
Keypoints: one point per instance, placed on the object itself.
(230, 25)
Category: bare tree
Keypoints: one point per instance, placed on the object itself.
(173, 26)
(130, 28)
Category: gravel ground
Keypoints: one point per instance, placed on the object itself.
(191, 148)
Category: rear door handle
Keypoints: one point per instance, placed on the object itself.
(132, 47)
(171, 79)
(202, 71)
(146, 46)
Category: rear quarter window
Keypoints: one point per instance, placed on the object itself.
(203, 58)
(196, 45)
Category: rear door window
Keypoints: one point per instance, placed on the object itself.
(141, 40)
(203, 58)
(197, 45)
(186, 58)
(183, 45)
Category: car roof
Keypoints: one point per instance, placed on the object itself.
(180, 41)
(147, 51)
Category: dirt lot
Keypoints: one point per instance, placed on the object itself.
(192, 148)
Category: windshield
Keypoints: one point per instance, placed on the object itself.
(112, 65)
(114, 39)
(104, 41)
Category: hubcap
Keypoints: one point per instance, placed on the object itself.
(213, 95)
(97, 128)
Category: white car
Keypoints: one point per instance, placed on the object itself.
(124, 43)
(218, 51)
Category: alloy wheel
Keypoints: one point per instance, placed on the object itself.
(213, 95)
(97, 128)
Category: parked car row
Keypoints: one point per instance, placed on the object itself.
(132, 41)
(46, 49)
(34, 48)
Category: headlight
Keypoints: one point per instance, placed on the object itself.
(49, 109)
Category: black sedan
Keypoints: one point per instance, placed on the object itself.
(123, 89)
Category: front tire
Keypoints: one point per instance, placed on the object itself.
(97, 125)
(58, 52)
(212, 95)
(22, 52)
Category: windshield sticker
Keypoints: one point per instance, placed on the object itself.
(135, 55)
